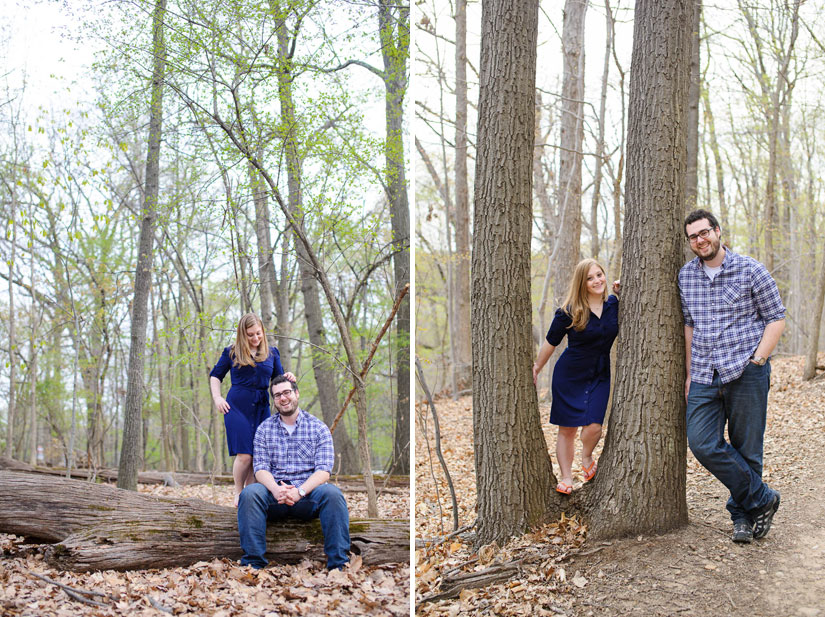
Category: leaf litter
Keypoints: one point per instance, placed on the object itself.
(695, 570)
(218, 588)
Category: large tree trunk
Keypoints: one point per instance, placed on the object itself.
(513, 471)
(394, 32)
(99, 527)
(640, 487)
(130, 457)
(692, 142)
(462, 205)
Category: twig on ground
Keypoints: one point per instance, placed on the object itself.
(76, 594)
(158, 605)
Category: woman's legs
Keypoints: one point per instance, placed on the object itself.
(590, 438)
(242, 473)
(565, 448)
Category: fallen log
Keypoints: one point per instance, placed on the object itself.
(347, 483)
(97, 527)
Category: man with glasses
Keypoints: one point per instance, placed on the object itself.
(733, 320)
(292, 457)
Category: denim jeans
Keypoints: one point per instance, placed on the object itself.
(743, 404)
(256, 506)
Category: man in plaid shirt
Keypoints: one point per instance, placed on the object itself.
(292, 458)
(733, 320)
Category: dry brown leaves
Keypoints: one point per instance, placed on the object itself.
(542, 586)
(220, 588)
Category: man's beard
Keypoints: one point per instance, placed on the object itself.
(289, 413)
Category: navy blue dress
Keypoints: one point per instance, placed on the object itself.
(248, 398)
(581, 378)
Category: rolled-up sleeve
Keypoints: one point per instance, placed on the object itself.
(263, 448)
(324, 450)
(766, 295)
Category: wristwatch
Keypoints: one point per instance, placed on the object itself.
(758, 360)
(301, 491)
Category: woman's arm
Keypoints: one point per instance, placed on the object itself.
(215, 388)
(545, 351)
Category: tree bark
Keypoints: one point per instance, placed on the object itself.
(691, 174)
(12, 401)
(462, 205)
(99, 527)
(513, 471)
(640, 487)
(130, 457)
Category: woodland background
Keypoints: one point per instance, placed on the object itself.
(262, 113)
(754, 152)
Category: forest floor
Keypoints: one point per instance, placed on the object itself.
(219, 588)
(694, 571)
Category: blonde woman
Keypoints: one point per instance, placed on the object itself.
(251, 362)
(581, 378)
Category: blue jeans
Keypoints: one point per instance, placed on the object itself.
(743, 404)
(256, 506)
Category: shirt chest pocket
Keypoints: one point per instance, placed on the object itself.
(304, 451)
(733, 295)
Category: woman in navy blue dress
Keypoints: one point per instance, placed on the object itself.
(581, 378)
(251, 364)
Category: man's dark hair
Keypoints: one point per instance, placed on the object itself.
(698, 215)
(281, 379)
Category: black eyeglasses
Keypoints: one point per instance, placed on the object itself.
(286, 393)
(701, 234)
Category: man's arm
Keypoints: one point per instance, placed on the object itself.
(688, 345)
(770, 338)
(316, 479)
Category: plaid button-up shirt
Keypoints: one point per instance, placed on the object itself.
(728, 315)
(293, 458)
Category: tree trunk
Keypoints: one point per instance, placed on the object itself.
(809, 372)
(513, 470)
(130, 457)
(12, 401)
(597, 164)
(640, 487)
(691, 174)
(462, 205)
(321, 367)
(266, 267)
(99, 527)
(570, 152)
(394, 32)
(717, 159)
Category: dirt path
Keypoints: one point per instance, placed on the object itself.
(698, 570)
(694, 571)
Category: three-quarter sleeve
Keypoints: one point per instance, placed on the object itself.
(561, 322)
(222, 367)
(277, 369)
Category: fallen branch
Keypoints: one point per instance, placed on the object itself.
(452, 587)
(76, 594)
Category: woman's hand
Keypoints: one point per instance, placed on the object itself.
(291, 377)
(617, 285)
(536, 371)
(221, 404)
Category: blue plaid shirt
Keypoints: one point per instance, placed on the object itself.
(728, 315)
(295, 457)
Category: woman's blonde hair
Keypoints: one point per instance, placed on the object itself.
(575, 303)
(240, 353)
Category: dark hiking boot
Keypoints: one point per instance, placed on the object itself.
(763, 519)
(742, 531)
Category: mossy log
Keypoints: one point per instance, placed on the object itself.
(347, 483)
(98, 527)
